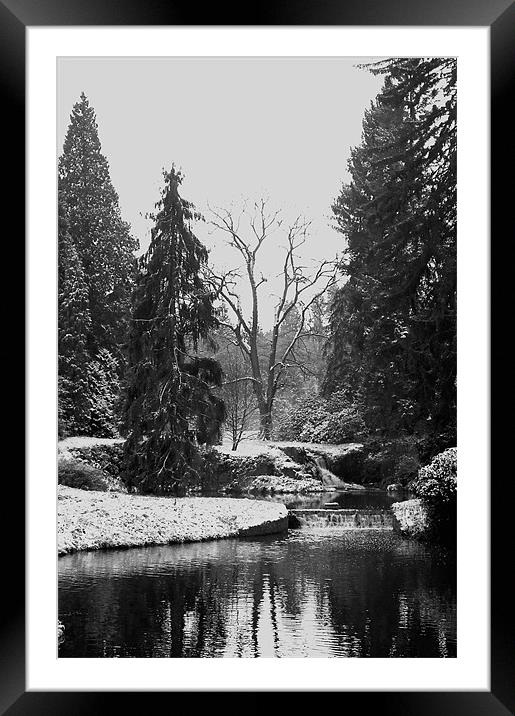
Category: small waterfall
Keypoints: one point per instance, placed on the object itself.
(347, 519)
(327, 477)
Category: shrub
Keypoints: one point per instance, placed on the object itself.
(393, 461)
(406, 467)
(344, 426)
(319, 420)
(430, 444)
(305, 415)
(436, 486)
(74, 473)
(108, 459)
(436, 482)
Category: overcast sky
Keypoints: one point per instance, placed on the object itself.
(237, 127)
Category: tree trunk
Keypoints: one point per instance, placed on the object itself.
(265, 421)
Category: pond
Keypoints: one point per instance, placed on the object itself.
(306, 593)
(348, 499)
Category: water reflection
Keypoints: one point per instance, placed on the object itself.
(309, 593)
(348, 499)
(359, 499)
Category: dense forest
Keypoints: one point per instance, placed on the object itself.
(159, 350)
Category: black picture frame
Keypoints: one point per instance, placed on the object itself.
(499, 15)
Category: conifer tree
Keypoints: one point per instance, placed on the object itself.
(393, 324)
(96, 277)
(169, 406)
(97, 230)
(74, 325)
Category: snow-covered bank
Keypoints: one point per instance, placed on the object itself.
(411, 518)
(83, 441)
(288, 467)
(257, 466)
(99, 520)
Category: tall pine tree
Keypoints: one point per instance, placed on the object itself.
(169, 405)
(74, 326)
(100, 235)
(393, 324)
(96, 276)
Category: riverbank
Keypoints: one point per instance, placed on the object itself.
(256, 467)
(88, 520)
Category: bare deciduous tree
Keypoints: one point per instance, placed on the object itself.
(300, 288)
(239, 398)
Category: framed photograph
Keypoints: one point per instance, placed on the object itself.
(258, 309)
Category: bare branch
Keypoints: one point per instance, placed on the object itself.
(300, 288)
(300, 331)
(221, 285)
(239, 380)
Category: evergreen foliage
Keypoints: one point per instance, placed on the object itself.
(103, 394)
(74, 325)
(96, 275)
(169, 405)
(101, 237)
(105, 457)
(78, 474)
(393, 324)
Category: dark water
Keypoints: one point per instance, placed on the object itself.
(359, 499)
(303, 594)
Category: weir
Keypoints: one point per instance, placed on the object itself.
(350, 519)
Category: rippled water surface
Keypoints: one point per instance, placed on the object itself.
(308, 593)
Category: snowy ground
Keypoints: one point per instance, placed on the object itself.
(81, 441)
(249, 447)
(98, 520)
(254, 446)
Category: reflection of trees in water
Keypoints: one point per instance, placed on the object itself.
(153, 614)
(386, 605)
(279, 597)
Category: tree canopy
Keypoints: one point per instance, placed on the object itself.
(393, 323)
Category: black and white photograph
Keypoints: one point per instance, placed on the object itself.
(257, 356)
(262, 249)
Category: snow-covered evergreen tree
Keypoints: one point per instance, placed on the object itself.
(96, 278)
(169, 406)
